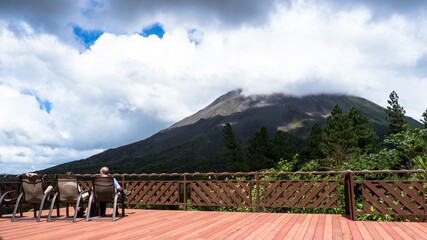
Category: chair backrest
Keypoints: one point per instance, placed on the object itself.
(32, 188)
(103, 188)
(68, 188)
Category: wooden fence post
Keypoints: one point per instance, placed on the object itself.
(123, 181)
(185, 192)
(257, 200)
(350, 207)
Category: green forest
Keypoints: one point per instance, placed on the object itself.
(347, 142)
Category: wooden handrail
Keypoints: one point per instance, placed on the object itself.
(259, 190)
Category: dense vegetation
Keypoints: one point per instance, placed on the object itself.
(348, 141)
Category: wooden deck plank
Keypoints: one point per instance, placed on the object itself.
(294, 228)
(327, 232)
(364, 231)
(175, 226)
(303, 228)
(253, 231)
(336, 227)
(400, 231)
(320, 227)
(171, 224)
(309, 233)
(346, 233)
(386, 231)
(355, 232)
(148, 224)
(417, 231)
(219, 230)
(372, 231)
(267, 228)
(164, 223)
(208, 231)
(422, 226)
(264, 217)
(285, 229)
(184, 229)
(273, 233)
(233, 233)
(230, 228)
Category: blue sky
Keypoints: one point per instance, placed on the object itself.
(88, 37)
(80, 77)
(154, 29)
(44, 104)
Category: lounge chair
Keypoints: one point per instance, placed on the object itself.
(32, 192)
(68, 192)
(104, 191)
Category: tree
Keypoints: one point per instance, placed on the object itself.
(408, 150)
(366, 137)
(395, 114)
(410, 145)
(424, 119)
(281, 149)
(231, 151)
(258, 151)
(338, 138)
(346, 137)
(386, 159)
(311, 149)
(264, 152)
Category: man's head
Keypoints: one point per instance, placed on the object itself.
(104, 171)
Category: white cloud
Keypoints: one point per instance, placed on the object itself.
(127, 87)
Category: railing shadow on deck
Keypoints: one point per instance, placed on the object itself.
(398, 194)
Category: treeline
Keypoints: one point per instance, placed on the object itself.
(347, 141)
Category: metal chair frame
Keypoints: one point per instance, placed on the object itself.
(36, 197)
(69, 196)
(104, 191)
(8, 198)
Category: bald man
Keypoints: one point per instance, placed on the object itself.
(104, 171)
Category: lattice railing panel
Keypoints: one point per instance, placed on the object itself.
(86, 185)
(153, 192)
(9, 186)
(299, 194)
(393, 197)
(221, 193)
(402, 199)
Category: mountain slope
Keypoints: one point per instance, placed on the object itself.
(192, 144)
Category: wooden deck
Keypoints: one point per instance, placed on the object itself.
(167, 224)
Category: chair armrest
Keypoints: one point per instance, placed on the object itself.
(83, 192)
(3, 196)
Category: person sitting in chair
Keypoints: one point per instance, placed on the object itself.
(104, 172)
(48, 189)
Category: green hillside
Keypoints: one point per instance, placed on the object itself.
(192, 144)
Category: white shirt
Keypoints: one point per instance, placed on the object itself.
(116, 184)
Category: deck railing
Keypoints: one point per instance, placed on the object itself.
(399, 193)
